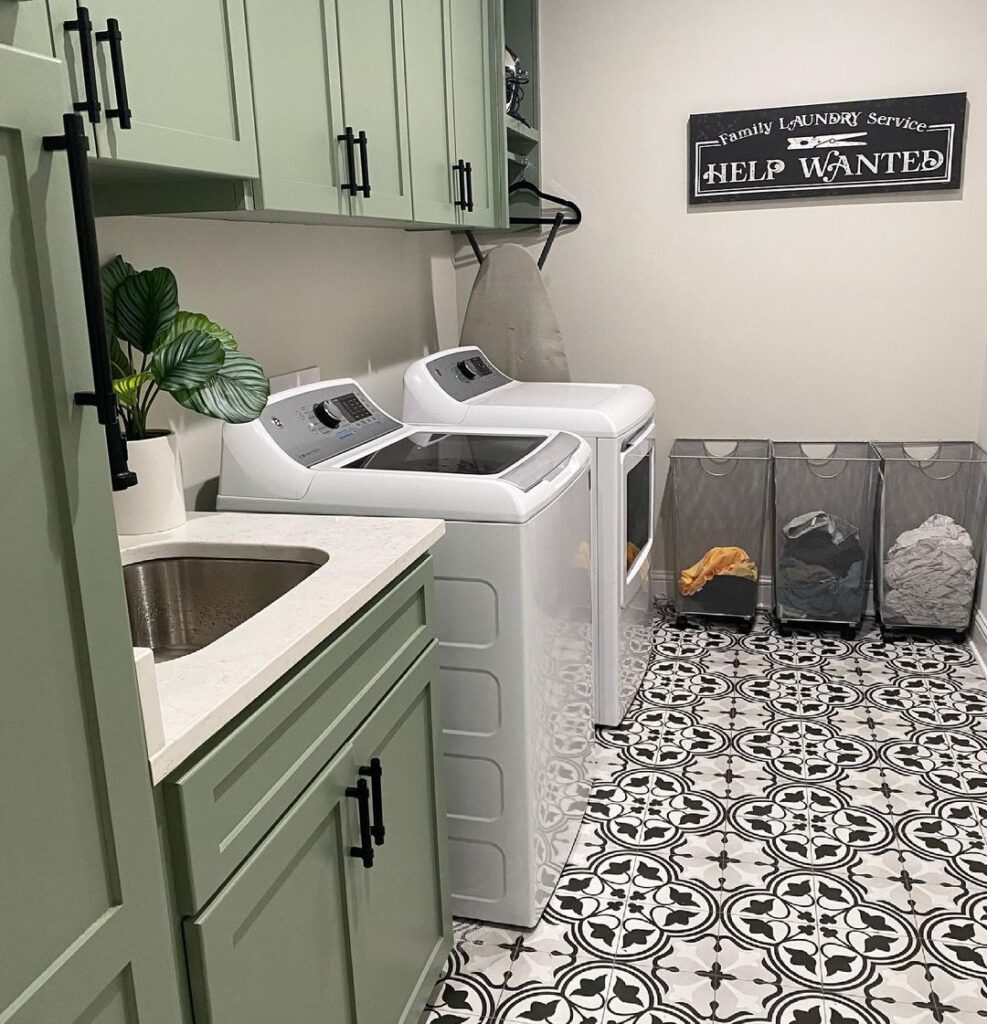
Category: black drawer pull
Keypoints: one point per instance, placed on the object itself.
(113, 36)
(84, 27)
(469, 186)
(375, 773)
(365, 851)
(364, 164)
(350, 185)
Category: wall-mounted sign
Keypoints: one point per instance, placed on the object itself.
(864, 147)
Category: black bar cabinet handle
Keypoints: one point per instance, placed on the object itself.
(460, 168)
(365, 851)
(375, 773)
(113, 36)
(364, 164)
(82, 25)
(469, 186)
(75, 144)
(347, 137)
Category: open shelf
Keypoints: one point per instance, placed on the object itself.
(520, 134)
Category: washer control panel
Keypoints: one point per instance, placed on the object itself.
(466, 374)
(324, 421)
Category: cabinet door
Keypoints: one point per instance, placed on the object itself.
(274, 945)
(400, 913)
(297, 105)
(431, 134)
(84, 928)
(370, 51)
(188, 84)
(303, 931)
(477, 113)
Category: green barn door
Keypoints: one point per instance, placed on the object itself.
(84, 935)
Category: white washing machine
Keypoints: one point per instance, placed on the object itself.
(461, 386)
(513, 610)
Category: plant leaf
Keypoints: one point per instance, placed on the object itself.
(145, 306)
(186, 321)
(110, 275)
(189, 361)
(237, 393)
(128, 388)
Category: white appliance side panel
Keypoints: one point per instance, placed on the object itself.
(559, 634)
(482, 611)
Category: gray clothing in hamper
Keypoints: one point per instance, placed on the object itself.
(930, 575)
(510, 317)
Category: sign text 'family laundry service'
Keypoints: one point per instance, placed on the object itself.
(858, 148)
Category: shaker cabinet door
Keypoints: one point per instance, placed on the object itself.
(478, 114)
(436, 185)
(186, 73)
(400, 913)
(297, 105)
(273, 944)
(370, 52)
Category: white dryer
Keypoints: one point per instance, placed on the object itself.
(461, 386)
(513, 610)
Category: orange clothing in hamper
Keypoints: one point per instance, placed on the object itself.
(716, 562)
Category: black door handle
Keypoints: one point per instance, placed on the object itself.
(375, 773)
(469, 186)
(75, 144)
(347, 137)
(364, 164)
(113, 36)
(460, 168)
(365, 851)
(82, 25)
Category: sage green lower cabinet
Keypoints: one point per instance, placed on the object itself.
(303, 931)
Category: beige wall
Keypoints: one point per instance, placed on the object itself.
(358, 302)
(855, 318)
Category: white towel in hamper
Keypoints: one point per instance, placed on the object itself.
(510, 317)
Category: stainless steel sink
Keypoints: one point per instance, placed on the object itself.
(178, 605)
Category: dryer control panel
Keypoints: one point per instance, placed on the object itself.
(324, 421)
(466, 374)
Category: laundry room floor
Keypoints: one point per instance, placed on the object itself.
(785, 830)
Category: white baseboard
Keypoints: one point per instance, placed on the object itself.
(978, 640)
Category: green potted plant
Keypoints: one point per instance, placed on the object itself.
(155, 347)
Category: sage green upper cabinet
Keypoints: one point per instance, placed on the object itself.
(84, 928)
(478, 114)
(187, 76)
(332, 128)
(297, 105)
(428, 69)
(371, 63)
(457, 177)
(304, 931)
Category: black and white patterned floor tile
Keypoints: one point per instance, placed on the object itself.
(783, 830)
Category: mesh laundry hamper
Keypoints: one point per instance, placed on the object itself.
(930, 524)
(719, 498)
(824, 494)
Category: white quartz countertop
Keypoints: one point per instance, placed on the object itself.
(199, 693)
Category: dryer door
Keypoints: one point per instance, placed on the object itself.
(637, 511)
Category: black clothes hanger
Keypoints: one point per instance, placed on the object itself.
(557, 220)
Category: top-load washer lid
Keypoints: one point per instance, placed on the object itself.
(471, 454)
(461, 386)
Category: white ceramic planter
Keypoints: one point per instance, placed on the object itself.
(158, 501)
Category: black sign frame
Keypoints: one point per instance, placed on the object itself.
(853, 148)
